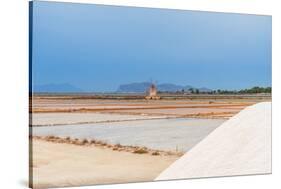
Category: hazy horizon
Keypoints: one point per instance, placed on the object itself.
(98, 47)
(80, 90)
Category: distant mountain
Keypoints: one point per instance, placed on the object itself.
(56, 88)
(164, 87)
(168, 87)
(134, 87)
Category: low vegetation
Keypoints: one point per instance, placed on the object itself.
(141, 151)
(102, 144)
(156, 153)
(253, 90)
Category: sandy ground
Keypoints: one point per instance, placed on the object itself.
(57, 165)
(203, 108)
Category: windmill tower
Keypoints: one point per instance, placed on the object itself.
(152, 92)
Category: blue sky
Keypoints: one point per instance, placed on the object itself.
(97, 48)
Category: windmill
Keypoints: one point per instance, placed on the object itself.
(152, 91)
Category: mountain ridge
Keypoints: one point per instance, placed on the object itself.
(138, 87)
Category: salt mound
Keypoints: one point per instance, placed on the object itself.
(240, 146)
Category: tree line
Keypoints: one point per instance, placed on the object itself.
(253, 90)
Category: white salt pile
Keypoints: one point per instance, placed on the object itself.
(240, 146)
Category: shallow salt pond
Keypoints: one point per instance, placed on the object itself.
(177, 134)
(51, 119)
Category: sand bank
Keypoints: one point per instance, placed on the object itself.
(57, 165)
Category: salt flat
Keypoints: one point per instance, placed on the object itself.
(201, 108)
(179, 134)
(48, 119)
